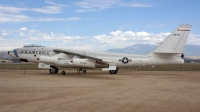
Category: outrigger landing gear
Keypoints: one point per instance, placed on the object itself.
(63, 72)
(80, 69)
(113, 71)
(53, 70)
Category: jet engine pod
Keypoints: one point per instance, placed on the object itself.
(84, 63)
(50, 60)
(64, 63)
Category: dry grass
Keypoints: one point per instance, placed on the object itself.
(184, 67)
(18, 66)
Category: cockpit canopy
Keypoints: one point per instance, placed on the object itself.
(33, 45)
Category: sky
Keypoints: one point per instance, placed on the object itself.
(94, 24)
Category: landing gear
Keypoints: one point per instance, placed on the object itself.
(80, 69)
(113, 71)
(53, 70)
(63, 72)
(84, 71)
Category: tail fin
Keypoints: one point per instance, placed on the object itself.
(176, 41)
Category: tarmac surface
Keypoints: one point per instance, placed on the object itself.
(97, 91)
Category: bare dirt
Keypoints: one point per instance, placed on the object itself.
(97, 91)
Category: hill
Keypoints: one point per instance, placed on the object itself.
(190, 50)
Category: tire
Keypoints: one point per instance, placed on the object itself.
(84, 71)
(63, 72)
(113, 71)
(53, 70)
(56, 69)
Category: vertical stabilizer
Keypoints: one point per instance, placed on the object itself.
(176, 41)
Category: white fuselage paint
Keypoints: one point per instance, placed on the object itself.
(33, 54)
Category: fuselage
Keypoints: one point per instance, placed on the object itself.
(33, 54)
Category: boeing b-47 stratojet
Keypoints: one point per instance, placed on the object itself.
(170, 51)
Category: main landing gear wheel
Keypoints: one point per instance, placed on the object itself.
(79, 70)
(113, 71)
(53, 70)
(63, 72)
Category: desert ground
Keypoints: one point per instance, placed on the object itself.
(97, 91)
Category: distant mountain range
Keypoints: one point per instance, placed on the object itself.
(190, 50)
(4, 55)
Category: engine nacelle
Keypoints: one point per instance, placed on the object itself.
(49, 60)
(85, 63)
(64, 63)
(75, 63)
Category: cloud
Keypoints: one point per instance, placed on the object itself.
(138, 5)
(56, 4)
(10, 44)
(23, 29)
(115, 39)
(82, 47)
(12, 9)
(17, 14)
(4, 34)
(1, 38)
(155, 25)
(95, 5)
(39, 35)
(13, 18)
(194, 39)
(123, 39)
(58, 19)
(48, 9)
(142, 34)
(21, 34)
(23, 18)
(54, 8)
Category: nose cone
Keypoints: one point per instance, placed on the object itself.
(13, 53)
